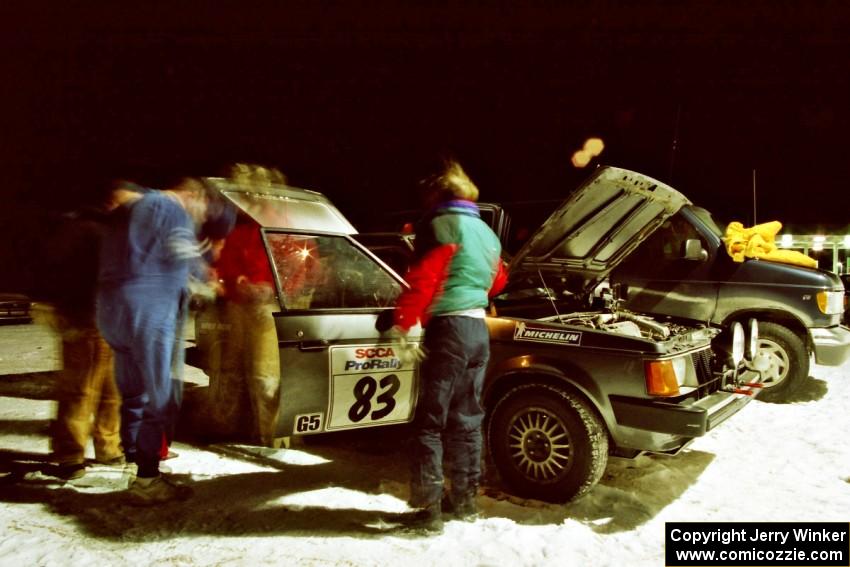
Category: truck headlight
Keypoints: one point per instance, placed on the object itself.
(738, 343)
(831, 302)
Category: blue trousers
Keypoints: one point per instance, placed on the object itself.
(449, 413)
(140, 324)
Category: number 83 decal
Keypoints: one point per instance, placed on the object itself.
(373, 398)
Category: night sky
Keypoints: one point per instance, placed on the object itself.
(359, 103)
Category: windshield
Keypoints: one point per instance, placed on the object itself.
(708, 220)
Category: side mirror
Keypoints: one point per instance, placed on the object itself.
(693, 250)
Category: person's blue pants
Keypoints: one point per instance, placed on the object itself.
(140, 324)
(449, 413)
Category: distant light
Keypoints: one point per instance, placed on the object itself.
(819, 238)
(594, 146)
(817, 246)
(847, 241)
(581, 158)
(304, 253)
(787, 240)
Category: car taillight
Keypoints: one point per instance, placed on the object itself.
(661, 378)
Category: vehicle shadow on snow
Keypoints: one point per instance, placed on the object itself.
(630, 493)
(811, 390)
(25, 426)
(364, 500)
(286, 500)
(29, 385)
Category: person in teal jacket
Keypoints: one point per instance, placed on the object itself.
(458, 270)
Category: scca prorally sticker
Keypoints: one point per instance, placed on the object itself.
(369, 386)
(524, 332)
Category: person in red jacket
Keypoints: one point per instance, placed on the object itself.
(459, 269)
(249, 370)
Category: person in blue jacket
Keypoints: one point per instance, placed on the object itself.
(147, 255)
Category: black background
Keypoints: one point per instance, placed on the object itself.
(359, 100)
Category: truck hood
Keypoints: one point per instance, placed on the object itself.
(597, 226)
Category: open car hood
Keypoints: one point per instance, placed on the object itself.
(597, 226)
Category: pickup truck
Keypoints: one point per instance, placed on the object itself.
(565, 387)
(682, 270)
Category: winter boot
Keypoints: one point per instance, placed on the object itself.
(461, 507)
(156, 490)
(428, 519)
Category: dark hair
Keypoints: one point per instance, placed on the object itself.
(220, 220)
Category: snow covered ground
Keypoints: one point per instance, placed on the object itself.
(326, 502)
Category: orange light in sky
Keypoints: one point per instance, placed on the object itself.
(581, 158)
(594, 146)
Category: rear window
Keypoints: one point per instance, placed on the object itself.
(280, 211)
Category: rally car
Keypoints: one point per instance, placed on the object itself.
(572, 378)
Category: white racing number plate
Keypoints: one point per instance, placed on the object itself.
(369, 386)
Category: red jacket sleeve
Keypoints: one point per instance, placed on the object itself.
(426, 279)
(499, 281)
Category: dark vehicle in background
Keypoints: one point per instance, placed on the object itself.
(15, 308)
(566, 387)
(683, 270)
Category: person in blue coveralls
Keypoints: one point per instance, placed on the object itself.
(148, 253)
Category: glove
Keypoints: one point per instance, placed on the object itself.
(201, 294)
(408, 353)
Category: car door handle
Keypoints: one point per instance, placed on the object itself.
(313, 345)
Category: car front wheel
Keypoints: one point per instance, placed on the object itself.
(546, 443)
(789, 362)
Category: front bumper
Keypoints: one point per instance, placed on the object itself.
(13, 311)
(684, 420)
(831, 345)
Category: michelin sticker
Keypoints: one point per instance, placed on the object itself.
(369, 385)
(523, 332)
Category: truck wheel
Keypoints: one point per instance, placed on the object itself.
(789, 362)
(546, 443)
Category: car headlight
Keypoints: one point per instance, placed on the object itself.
(752, 339)
(738, 343)
(831, 302)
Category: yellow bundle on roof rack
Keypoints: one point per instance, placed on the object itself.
(758, 242)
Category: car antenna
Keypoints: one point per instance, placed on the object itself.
(675, 144)
(549, 295)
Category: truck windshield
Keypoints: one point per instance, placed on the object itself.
(708, 220)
